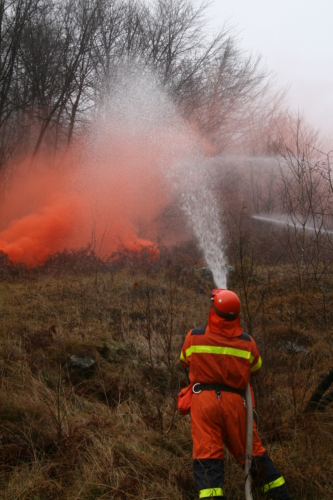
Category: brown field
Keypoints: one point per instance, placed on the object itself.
(113, 432)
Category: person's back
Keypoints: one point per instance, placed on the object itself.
(221, 359)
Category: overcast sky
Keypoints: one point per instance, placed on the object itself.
(295, 38)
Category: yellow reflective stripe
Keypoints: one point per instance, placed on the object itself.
(182, 357)
(211, 492)
(208, 349)
(251, 359)
(274, 484)
(256, 366)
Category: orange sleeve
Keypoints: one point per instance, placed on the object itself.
(255, 358)
(184, 361)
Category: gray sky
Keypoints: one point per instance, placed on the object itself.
(295, 38)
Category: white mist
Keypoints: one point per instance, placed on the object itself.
(139, 106)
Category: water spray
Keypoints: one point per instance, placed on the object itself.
(287, 221)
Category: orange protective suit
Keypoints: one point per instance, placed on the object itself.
(222, 354)
(215, 422)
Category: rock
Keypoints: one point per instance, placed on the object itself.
(207, 274)
(82, 363)
(291, 346)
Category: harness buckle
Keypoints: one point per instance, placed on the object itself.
(195, 392)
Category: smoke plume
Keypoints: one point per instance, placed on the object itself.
(137, 157)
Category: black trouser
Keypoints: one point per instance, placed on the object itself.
(209, 478)
(268, 478)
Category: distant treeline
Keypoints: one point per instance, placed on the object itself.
(59, 60)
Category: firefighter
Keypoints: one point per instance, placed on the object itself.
(221, 359)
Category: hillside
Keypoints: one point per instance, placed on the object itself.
(111, 430)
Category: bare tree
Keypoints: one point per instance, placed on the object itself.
(59, 59)
(79, 25)
(211, 80)
(14, 15)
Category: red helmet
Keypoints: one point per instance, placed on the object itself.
(225, 303)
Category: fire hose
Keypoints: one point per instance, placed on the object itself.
(249, 442)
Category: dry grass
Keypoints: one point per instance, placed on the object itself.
(113, 432)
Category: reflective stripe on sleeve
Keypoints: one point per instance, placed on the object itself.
(208, 349)
(182, 358)
(274, 484)
(211, 492)
(256, 366)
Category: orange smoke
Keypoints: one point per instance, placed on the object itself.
(103, 193)
(32, 238)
